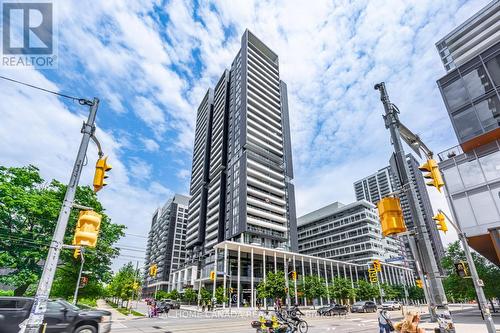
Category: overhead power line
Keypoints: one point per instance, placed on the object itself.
(82, 101)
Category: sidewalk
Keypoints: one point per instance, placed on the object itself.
(115, 315)
(466, 322)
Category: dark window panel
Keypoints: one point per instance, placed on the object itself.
(467, 124)
(455, 94)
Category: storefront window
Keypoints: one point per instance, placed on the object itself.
(494, 69)
(477, 82)
(467, 124)
(455, 94)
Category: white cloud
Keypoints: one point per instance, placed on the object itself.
(150, 144)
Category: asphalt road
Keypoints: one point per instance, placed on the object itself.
(185, 321)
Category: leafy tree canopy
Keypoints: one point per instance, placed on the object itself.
(29, 208)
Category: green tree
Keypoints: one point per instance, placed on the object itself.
(313, 287)
(273, 286)
(174, 295)
(162, 294)
(205, 295)
(415, 293)
(390, 292)
(220, 296)
(342, 289)
(122, 283)
(366, 290)
(29, 208)
(189, 295)
(460, 289)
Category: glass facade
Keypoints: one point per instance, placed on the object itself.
(472, 95)
(473, 185)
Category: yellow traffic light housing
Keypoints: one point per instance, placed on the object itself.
(76, 253)
(87, 228)
(294, 275)
(462, 269)
(441, 222)
(377, 266)
(391, 216)
(153, 270)
(372, 274)
(420, 283)
(101, 167)
(433, 173)
(212, 275)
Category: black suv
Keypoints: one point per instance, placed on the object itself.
(364, 306)
(60, 316)
(333, 309)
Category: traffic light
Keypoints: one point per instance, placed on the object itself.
(294, 275)
(212, 275)
(153, 270)
(462, 269)
(391, 216)
(377, 266)
(372, 274)
(136, 285)
(76, 253)
(433, 173)
(87, 228)
(101, 167)
(441, 222)
(231, 290)
(420, 284)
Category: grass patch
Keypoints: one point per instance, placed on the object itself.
(126, 312)
(88, 302)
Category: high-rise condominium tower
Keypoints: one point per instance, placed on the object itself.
(241, 180)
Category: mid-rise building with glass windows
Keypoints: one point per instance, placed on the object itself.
(166, 247)
(348, 233)
(383, 182)
(471, 93)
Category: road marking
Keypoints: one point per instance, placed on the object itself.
(118, 323)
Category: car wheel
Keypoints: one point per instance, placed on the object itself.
(85, 329)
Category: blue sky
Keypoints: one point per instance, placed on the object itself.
(150, 63)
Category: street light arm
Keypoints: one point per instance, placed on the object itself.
(457, 229)
(414, 141)
(94, 138)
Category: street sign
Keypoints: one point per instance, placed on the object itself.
(395, 259)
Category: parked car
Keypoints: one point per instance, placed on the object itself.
(364, 306)
(60, 316)
(391, 305)
(332, 309)
(171, 304)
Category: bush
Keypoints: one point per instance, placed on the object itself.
(6, 292)
(88, 301)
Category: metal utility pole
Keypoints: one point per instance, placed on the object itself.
(75, 296)
(422, 237)
(35, 319)
(478, 283)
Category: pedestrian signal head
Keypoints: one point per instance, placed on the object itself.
(87, 228)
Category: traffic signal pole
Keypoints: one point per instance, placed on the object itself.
(429, 264)
(75, 296)
(483, 302)
(35, 319)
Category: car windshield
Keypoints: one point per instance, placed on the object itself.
(359, 303)
(69, 305)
